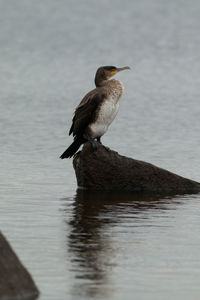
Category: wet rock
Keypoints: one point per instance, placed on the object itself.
(105, 169)
(15, 281)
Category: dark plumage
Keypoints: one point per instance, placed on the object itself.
(96, 110)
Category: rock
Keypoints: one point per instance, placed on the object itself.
(105, 169)
(15, 281)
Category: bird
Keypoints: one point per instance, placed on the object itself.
(96, 111)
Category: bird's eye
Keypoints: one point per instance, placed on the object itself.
(113, 72)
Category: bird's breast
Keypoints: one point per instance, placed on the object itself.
(115, 88)
(105, 115)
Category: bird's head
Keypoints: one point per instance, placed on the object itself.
(106, 72)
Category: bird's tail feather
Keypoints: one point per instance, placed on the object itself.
(72, 149)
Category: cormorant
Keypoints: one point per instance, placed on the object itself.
(96, 111)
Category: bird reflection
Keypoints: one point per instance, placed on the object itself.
(91, 244)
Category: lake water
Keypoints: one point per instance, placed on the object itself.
(80, 245)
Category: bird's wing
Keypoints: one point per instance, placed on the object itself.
(85, 112)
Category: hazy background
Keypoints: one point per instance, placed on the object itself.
(49, 52)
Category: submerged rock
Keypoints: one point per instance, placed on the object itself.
(105, 169)
(15, 281)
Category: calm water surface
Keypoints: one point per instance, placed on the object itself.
(80, 245)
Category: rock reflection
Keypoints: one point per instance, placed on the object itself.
(90, 241)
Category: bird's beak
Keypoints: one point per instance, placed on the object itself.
(122, 69)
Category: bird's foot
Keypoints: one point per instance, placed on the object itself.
(95, 144)
(99, 140)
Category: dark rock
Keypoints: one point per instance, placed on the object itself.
(15, 281)
(105, 169)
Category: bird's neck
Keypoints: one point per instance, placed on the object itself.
(100, 82)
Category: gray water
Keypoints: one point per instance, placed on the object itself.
(80, 245)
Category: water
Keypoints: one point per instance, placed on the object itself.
(80, 245)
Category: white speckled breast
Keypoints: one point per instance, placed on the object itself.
(108, 109)
(115, 88)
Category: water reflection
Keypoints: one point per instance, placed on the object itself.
(90, 242)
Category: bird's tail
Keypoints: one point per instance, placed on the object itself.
(72, 149)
